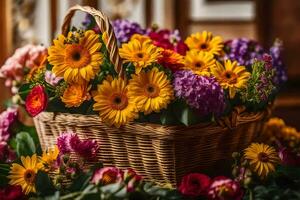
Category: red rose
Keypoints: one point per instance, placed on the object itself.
(223, 188)
(12, 192)
(194, 184)
(36, 100)
(181, 48)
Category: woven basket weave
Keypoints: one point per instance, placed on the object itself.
(162, 154)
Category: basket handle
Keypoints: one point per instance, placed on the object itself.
(105, 27)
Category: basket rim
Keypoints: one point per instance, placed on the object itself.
(205, 128)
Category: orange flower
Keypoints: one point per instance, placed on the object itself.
(36, 100)
(172, 60)
(75, 95)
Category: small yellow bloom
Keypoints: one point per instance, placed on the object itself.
(262, 158)
(152, 91)
(141, 38)
(199, 62)
(49, 157)
(113, 103)
(25, 174)
(205, 41)
(231, 76)
(77, 62)
(75, 95)
(141, 54)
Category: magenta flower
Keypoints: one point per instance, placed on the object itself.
(289, 157)
(194, 185)
(107, 175)
(223, 188)
(7, 155)
(7, 118)
(12, 192)
(69, 142)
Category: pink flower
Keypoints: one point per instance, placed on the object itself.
(223, 188)
(107, 175)
(289, 158)
(12, 192)
(70, 142)
(194, 185)
(29, 56)
(181, 48)
(7, 118)
(132, 179)
(36, 100)
(51, 78)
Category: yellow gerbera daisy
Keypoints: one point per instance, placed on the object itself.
(262, 158)
(151, 90)
(77, 61)
(75, 95)
(141, 38)
(25, 174)
(205, 41)
(113, 103)
(49, 157)
(231, 76)
(141, 54)
(199, 62)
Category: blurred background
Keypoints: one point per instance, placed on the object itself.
(39, 21)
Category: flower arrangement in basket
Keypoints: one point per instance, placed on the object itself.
(155, 102)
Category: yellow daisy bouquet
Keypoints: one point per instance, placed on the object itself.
(167, 80)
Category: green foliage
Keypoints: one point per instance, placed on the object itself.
(44, 186)
(259, 87)
(4, 171)
(25, 144)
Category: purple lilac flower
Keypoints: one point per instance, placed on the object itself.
(200, 92)
(69, 142)
(280, 70)
(124, 29)
(6, 119)
(243, 50)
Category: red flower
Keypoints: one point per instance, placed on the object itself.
(194, 184)
(172, 60)
(181, 48)
(36, 100)
(223, 188)
(11, 192)
(132, 179)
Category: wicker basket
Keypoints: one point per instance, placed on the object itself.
(162, 154)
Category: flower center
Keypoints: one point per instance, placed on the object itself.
(76, 56)
(29, 176)
(203, 46)
(151, 90)
(109, 177)
(263, 157)
(229, 77)
(199, 64)
(119, 101)
(36, 102)
(140, 55)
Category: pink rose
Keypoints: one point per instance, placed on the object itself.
(107, 175)
(223, 188)
(194, 185)
(132, 179)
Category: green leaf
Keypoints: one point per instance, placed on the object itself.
(185, 114)
(81, 182)
(25, 144)
(4, 171)
(44, 186)
(168, 117)
(24, 91)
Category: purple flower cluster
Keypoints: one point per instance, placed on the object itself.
(124, 29)
(243, 50)
(6, 119)
(277, 62)
(69, 142)
(200, 92)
